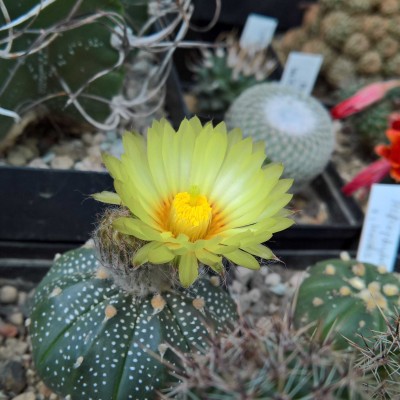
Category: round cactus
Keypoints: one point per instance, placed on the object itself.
(296, 128)
(93, 340)
(347, 299)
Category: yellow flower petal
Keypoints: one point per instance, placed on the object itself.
(135, 227)
(259, 251)
(108, 197)
(244, 259)
(188, 269)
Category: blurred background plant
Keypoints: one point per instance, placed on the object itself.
(223, 72)
(358, 39)
(98, 63)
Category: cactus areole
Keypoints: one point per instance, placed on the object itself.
(346, 299)
(93, 340)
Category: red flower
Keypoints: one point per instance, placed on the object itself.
(388, 164)
(363, 98)
(374, 173)
(391, 152)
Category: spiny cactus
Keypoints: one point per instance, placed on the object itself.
(363, 37)
(379, 355)
(296, 129)
(371, 123)
(224, 73)
(347, 298)
(269, 361)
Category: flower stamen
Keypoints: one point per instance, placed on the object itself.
(190, 213)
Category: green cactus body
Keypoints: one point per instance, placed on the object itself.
(346, 299)
(296, 128)
(336, 27)
(74, 56)
(93, 340)
(225, 73)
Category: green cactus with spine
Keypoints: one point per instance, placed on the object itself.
(371, 123)
(295, 127)
(224, 73)
(346, 299)
(379, 355)
(271, 360)
(103, 329)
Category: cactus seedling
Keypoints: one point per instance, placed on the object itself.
(348, 298)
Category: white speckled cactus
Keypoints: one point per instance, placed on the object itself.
(295, 127)
(94, 340)
(347, 297)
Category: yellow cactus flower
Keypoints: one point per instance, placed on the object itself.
(197, 195)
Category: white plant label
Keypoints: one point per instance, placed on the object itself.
(301, 71)
(258, 32)
(380, 235)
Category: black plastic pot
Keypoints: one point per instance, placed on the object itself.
(234, 12)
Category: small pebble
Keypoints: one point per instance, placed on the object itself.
(37, 163)
(99, 138)
(87, 138)
(25, 396)
(243, 275)
(12, 377)
(8, 330)
(16, 318)
(279, 290)
(272, 279)
(62, 162)
(8, 294)
(16, 158)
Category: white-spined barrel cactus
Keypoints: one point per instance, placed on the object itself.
(347, 299)
(296, 128)
(93, 340)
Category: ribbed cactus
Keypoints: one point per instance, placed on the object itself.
(93, 340)
(224, 73)
(295, 127)
(102, 330)
(270, 361)
(347, 299)
(59, 47)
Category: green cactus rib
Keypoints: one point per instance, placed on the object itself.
(346, 299)
(75, 56)
(91, 339)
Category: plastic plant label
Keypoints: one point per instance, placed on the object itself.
(258, 32)
(301, 71)
(381, 230)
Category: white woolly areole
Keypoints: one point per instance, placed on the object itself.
(290, 115)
